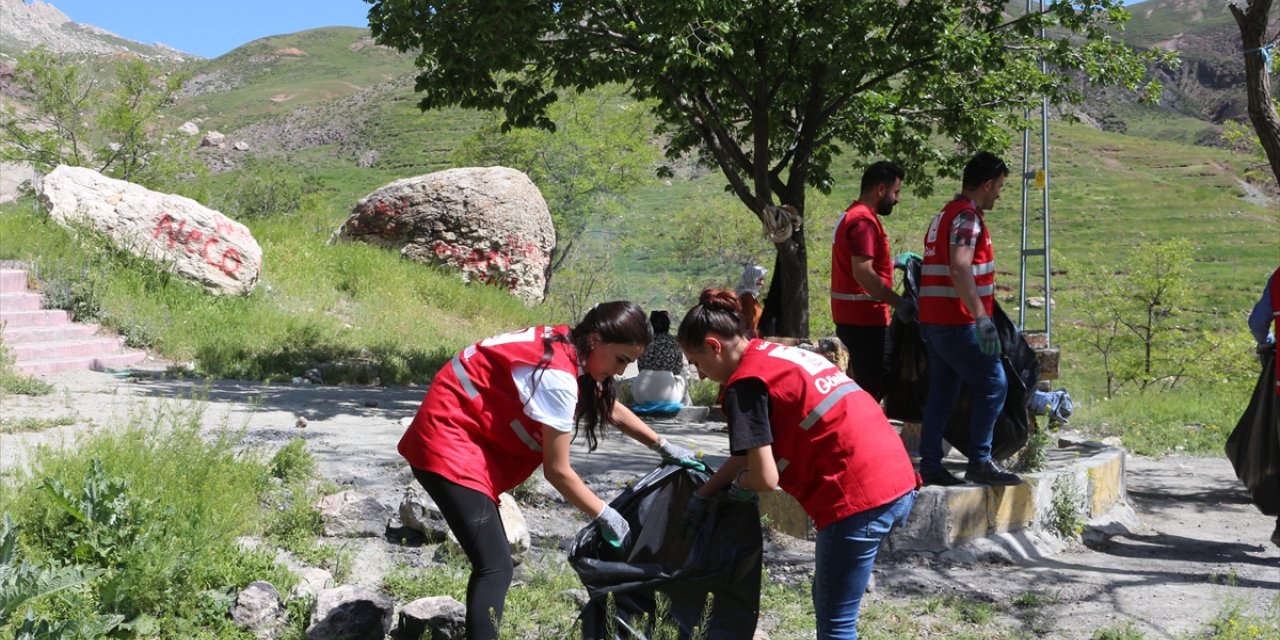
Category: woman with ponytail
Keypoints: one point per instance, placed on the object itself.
(511, 402)
(798, 423)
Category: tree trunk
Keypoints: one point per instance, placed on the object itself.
(1262, 113)
(786, 307)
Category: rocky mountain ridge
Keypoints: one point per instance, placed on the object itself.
(26, 24)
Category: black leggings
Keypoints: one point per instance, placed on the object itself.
(473, 518)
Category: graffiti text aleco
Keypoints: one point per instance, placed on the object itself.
(195, 240)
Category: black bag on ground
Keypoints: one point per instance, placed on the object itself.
(1021, 370)
(723, 560)
(1254, 446)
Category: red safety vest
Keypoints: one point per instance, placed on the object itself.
(850, 302)
(1275, 318)
(836, 453)
(940, 303)
(471, 428)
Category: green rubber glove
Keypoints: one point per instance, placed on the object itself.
(988, 337)
(900, 260)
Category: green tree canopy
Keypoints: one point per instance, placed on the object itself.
(599, 150)
(114, 129)
(770, 92)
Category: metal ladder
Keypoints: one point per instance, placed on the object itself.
(1039, 178)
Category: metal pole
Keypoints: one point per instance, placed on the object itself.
(1022, 255)
(1044, 155)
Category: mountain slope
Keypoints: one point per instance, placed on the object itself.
(25, 26)
(1209, 84)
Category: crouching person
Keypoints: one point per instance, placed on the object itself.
(798, 423)
(508, 404)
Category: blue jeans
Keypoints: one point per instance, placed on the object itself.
(954, 357)
(845, 553)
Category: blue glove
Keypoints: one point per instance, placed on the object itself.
(694, 514)
(613, 527)
(900, 260)
(988, 337)
(675, 454)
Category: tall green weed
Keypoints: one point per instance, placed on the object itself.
(155, 508)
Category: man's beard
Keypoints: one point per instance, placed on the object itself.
(884, 207)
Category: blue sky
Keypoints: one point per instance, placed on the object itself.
(211, 28)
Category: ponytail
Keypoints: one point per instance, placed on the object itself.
(719, 312)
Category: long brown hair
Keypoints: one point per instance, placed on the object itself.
(617, 322)
(719, 312)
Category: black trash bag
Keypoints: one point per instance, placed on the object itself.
(907, 384)
(906, 381)
(1021, 370)
(723, 559)
(1254, 446)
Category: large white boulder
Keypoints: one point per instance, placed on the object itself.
(490, 223)
(193, 240)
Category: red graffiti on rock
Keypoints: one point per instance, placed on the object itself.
(491, 266)
(194, 241)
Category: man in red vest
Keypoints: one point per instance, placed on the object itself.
(957, 298)
(862, 277)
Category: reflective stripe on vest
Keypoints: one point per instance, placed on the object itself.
(856, 297)
(782, 465)
(828, 402)
(524, 435)
(463, 378)
(944, 270)
(950, 292)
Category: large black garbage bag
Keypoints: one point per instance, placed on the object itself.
(1021, 370)
(908, 379)
(1254, 445)
(722, 559)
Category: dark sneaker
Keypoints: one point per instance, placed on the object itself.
(990, 473)
(1275, 535)
(940, 478)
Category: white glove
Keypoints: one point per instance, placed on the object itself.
(613, 527)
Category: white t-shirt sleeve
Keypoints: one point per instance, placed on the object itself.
(553, 401)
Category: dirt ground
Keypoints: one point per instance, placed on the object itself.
(1199, 547)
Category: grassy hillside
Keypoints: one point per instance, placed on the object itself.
(275, 75)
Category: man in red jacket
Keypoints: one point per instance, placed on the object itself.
(957, 298)
(862, 277)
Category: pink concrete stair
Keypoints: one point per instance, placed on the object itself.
(45, 341)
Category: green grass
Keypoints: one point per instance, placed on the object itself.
(8, 425)
(371, 315)
(156, 507)
(13, 382)
(536, 607)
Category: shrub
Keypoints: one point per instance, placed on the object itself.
(1067, 517)
(293, 463)
(156, 509)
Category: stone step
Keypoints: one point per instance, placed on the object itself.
(21, 302)
(79, 363)
(72, 348)
(42, 318)
(13, 281)
(17, 335)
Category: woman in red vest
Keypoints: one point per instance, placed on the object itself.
(507, 404)
(798, 423)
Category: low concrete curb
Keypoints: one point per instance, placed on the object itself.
(1084, 487)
